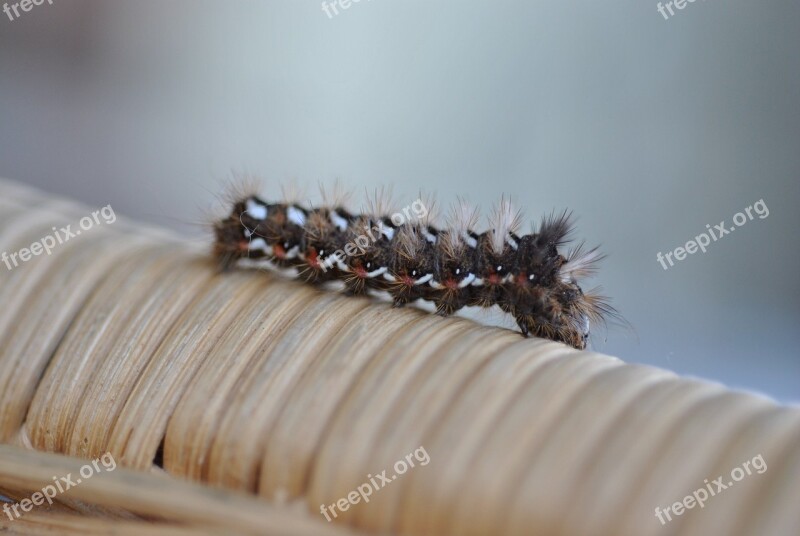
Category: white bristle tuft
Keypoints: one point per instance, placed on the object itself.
(336, 196)
(462, 220)
(580, 264)
(293, 193)
(381, 202)
(503, 221)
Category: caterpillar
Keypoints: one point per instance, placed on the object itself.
(406, 255)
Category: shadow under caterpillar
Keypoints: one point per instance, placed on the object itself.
(526, 276)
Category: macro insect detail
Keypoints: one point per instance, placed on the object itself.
(529, 276)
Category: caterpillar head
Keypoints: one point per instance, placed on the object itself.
(547, 299)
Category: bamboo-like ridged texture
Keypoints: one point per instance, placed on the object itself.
(283, 397)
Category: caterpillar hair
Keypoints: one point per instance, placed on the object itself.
(403, 253)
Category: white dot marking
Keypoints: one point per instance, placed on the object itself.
(255, 210)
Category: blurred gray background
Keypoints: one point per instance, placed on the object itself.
(648, 129)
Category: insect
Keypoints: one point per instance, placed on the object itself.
(529, 276)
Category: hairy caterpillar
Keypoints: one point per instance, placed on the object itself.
(525, 275)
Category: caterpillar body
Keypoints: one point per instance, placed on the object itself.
(527, 276)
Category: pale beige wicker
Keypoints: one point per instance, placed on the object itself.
(267, 399)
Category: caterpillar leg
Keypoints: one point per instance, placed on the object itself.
(523, 327)
(397, 303)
